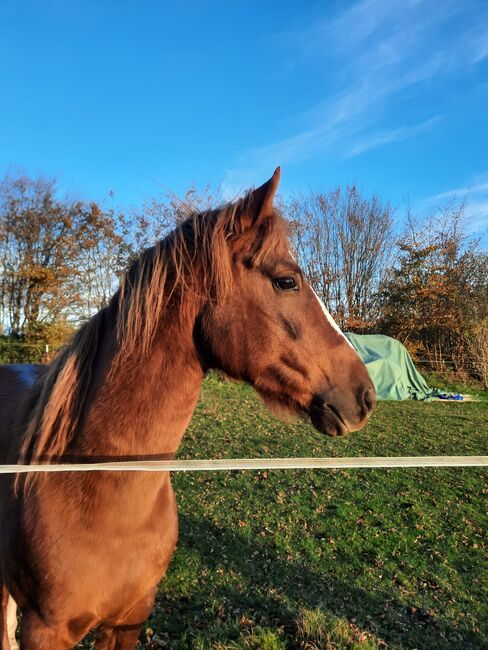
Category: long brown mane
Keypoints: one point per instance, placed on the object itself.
(193, 264)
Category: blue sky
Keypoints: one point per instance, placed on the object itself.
(141, 96)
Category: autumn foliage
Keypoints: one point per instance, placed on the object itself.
(60, 259)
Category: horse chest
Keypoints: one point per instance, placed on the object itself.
(100, 552)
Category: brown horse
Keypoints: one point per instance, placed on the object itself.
(84, 551)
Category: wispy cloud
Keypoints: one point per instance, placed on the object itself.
(383, 138)
(477, 215)
(475, 188)
(479, 45)
(382, 51)
(475, 196)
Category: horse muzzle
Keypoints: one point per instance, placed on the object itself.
(333, 415)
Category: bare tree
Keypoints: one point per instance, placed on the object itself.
(161, 214)
(344, 243)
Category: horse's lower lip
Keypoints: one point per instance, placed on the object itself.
(326, 418)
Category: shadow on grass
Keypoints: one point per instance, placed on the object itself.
(240, 576)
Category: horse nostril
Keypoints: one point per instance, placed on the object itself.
(369, 399)
(366, 400)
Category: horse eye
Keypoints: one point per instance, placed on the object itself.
(286, 284)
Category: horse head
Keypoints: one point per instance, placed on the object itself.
(272, 330)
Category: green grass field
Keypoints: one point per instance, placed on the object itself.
(328, 559)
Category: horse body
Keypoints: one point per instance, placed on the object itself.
(120, 528)
(79, 551)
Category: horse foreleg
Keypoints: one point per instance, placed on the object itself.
(125, 634)
(8, 621)
(11, 623)
(4, 644)
(118, 638)
(35, 633)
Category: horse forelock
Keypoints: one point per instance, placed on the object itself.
(191, 266)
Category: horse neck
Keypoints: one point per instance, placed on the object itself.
(144, 406)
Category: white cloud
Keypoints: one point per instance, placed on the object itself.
(477, 214)
(380, 49)
(475, 188)
(479, 46)
(475, 196)
(383, 138)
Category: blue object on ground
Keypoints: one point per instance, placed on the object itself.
(454, 396)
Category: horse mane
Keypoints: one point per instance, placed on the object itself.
(193, 263)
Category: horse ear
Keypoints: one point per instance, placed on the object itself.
(258, 203)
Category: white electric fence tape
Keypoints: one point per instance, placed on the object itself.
(254, 464)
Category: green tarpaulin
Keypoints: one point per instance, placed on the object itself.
(390, 367)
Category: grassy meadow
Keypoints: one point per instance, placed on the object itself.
(327, 559)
